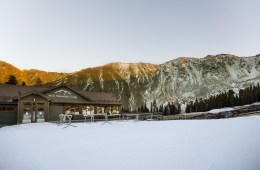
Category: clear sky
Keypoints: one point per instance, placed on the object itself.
(69, 35)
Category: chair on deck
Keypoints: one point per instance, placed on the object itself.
(61, 116)
(89, 115)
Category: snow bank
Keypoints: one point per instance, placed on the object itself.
(221, 110)
(231, 144)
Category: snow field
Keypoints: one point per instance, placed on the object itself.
(231, 144)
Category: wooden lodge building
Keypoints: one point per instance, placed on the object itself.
(28, 104)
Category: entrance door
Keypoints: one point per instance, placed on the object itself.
(37, 112)
(33, 112)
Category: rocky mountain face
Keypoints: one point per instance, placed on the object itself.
(190, 78)
(181, 79)
(132, 82)
(28, 76)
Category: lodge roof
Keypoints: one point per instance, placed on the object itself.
(7, 91)
(10, 92)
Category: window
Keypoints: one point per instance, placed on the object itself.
(101, 109)
(26, 114)
(2, 108)
(40, 114)
(88, 110)
(7, 108)
(10, 108)
(27, 103)
(72, 110)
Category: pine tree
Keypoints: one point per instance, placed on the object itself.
(38, 81)
(11, 80)
(258, 93)
(154, 106)
(196, 105)
(171, 112)
(142, 109)
(230, 98)
(166, 110)
(139, 110)
(241, 97)
(161, 108)
(187, 110)
(236, 100)
(179, 109)
(146, 108)
(191, 107)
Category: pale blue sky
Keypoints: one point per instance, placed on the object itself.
(69, 35)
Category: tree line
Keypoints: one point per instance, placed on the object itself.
(226, 99)
(13, 80)
(245, 96)
(169, 109)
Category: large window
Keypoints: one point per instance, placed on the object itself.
(74, 110)
(88, 110)
(26, 114)
(115, 109)
(40, 113)
(101, 109)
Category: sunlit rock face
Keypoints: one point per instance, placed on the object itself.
(29, 77)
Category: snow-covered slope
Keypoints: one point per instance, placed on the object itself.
(180, 79)
(223, 144)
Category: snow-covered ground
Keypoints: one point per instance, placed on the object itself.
(232, 144)
(221, 110)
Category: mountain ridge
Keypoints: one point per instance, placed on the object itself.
(28, 76)
(178, 80)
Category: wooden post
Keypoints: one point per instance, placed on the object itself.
(119, 109)
(95, 109)
(105, 109)
(80, 109)
(47, 111)
(19, 110)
